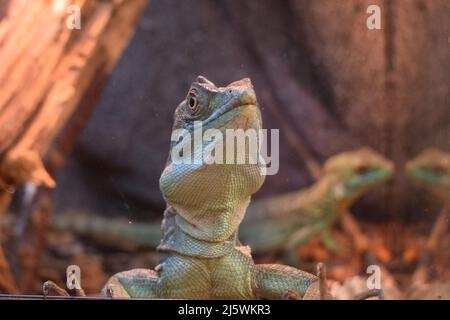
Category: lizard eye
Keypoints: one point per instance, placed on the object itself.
(192, 103)
(362, 169)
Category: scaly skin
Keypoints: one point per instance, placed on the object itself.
(431, 169)
(200, 256)
(279, 222)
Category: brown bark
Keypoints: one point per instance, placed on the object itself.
(47, 71)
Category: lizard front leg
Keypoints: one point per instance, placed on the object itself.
(177, 277)
(274, 281)
(135, 283)
(298, 238)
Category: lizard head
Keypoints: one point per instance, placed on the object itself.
(218, 107)
(354, 172)
(198, 176)
(431, 168)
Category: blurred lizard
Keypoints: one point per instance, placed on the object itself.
(200, 254)
(278, 222)
(291, 220)
(431, 169)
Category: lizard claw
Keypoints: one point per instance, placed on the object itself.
(109, 292)
(50, 288)
(290, 295)
(369, 294)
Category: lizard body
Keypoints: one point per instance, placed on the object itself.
(200, 255)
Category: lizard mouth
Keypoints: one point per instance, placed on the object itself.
(242, 98)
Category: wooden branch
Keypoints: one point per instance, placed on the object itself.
(47, 71)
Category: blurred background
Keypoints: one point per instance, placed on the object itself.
(338, 84)
(321, 76)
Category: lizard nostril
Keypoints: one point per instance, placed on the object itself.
(248, 97)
